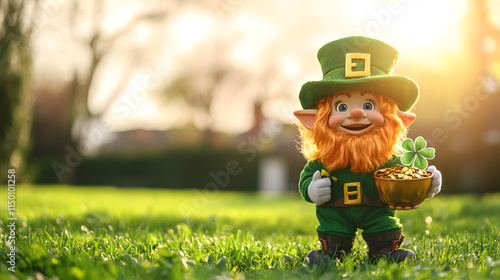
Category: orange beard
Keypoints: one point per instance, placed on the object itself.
(364, 152)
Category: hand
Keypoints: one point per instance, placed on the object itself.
(435, 188)
(319, 189)
(436, 181)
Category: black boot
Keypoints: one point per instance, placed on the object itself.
(317, 257)
(333, 247)
(386, 244)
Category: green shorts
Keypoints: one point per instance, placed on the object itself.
(345, 221)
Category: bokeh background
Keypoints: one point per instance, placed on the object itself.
(200, 94)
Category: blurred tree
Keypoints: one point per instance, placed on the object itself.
(209, 77)
(196, 89)
(15, 101)
(84, 22)
(99, 44)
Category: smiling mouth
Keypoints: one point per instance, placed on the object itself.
(356, 127)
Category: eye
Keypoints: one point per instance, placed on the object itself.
(367, 106)
(341, 107)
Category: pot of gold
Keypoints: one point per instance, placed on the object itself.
(408, 184)
(402, 186)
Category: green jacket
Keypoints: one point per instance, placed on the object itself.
(344, 221)
(344, 176)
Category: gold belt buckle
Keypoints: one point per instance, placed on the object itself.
(349, 193)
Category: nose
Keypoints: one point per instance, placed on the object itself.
(357, 114)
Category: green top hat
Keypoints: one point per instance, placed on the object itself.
(359, 63)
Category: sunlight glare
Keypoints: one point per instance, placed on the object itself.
(190, 27)
(412, 24)
(255, 34)
(495, 16)
(290, 66)
(431, 24)
(118, 16)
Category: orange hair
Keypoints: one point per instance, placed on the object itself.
(364, 152)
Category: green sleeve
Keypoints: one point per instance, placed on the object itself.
(306, 177)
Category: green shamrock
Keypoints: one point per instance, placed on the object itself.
(416, 154)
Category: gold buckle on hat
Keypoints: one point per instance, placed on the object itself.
(349, 193)
(349, 65)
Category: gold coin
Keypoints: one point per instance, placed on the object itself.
(401, 172)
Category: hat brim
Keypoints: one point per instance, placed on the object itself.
(402, 90)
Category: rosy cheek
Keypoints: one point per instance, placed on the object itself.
(376, 118)
(335, 120)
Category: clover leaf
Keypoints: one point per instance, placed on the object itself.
(416, 154)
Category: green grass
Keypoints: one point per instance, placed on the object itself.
(107, 233)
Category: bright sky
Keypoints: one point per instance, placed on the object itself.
(412, 26)
(260, 39)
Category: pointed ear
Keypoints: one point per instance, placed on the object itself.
(407, 118)
(307, 117)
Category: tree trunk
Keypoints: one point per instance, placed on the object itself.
(15, 101)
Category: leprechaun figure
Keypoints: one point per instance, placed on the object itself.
(353, 123)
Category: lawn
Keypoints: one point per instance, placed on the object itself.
(65, 232)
